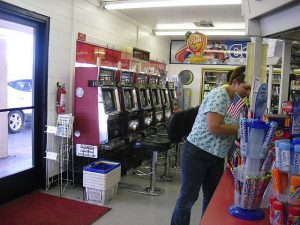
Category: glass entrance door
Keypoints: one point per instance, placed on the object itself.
(23, 91)
(16, 70)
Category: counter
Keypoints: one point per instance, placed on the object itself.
(217, 210)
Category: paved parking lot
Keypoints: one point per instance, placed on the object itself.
(19, 153)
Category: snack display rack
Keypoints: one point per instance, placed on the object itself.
(251, 173)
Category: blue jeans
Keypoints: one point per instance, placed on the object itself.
(198, 168)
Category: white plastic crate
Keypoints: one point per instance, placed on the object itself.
(101, 181)
(101, 196)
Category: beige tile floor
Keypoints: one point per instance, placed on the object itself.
(136, 209)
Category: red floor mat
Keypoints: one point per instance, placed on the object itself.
(43, 209)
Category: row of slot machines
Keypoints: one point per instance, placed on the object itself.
(113, 108)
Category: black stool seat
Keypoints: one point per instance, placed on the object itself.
(163, 132)
(154, 143)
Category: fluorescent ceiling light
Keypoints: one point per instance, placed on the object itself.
(238, 25)
(206, 32)
(169, 3)
(192, 26)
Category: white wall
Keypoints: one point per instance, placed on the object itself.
(67, 18)
(196, 85)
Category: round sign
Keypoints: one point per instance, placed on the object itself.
(186, 77)
(79, 92)
(77, 133)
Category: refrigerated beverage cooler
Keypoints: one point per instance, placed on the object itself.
(212, 78)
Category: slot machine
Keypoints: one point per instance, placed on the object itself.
(144, 103)
(98, 117)
(155, 99)
(165, 98)
(129, 105)
(172, 96)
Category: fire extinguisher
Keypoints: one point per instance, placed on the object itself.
(61, 95)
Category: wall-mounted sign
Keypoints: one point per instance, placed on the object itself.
(196, 43)
(141, 54)
(89, 151)
(81, 37)
(216, 53)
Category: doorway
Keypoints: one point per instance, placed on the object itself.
(23, 89)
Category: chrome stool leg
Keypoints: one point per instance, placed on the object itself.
(152, 189)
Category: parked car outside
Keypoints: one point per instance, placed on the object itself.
(19, 94)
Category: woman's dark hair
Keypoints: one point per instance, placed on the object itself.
(237, 74)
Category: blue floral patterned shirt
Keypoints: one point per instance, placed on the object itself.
(217, 101)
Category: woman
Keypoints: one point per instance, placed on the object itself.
(212, 136)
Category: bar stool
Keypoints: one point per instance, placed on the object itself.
(175, 132)
(161, 143)
(178, 128)
(155, 144)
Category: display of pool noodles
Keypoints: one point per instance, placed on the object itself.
(268, 138)
(248, 190)
(295, 165)
(255, 143)
(245, 132)
(244, 136)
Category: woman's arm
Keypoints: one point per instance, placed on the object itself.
(216, 126)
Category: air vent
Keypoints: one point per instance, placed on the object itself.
(204, 23)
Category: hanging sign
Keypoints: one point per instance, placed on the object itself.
(261, 101)
(141, 54)
(196, 43)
